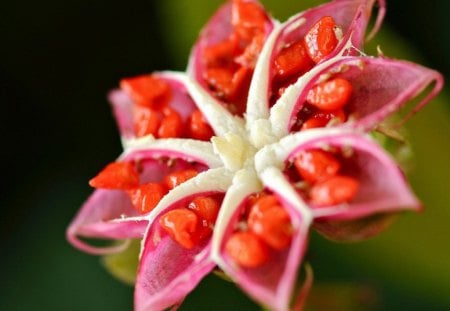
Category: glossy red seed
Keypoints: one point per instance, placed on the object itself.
(321, 119)
(116, 175)
(316, 165)
(145, 197)
(206, 208)
(260, 205)
(247, 18)
(270, 222)
(292, 61)
(321, 39)
(181, 225)
(251, 52)
(220, 81)
(330, 95)
(171, 125)
(336, 190)
(148, 91)
(199, 127)
(240, 83)
(174, 179)
(221, 53)
(247, 250)
(146, 121)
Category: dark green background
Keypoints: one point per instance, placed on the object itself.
(57, 61)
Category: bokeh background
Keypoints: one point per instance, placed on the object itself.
(57, 61)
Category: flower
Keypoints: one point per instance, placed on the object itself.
(267, 135)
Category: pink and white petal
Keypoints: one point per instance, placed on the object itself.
(380, 87)
(123, 105)
(271, 284)
(219, 118)
(382, 187)
(167, 271)
(109, 214)
(352, 16)
(217, 29)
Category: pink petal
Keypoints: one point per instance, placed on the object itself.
(383, 190)
(109, 214)
(352, 16)
(167, 271)
(381, 86)
(122, 104)
(272, 284)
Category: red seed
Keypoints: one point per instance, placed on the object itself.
(321, 39)
(199, 127)
(251, 52)
(247, 250)
(221, 53)
(330, 95)
(247, 18)
(292, 61)
(146, 121)
(148, 91)
(270, 222)
(171, 125)
(321, 119)
(206, 208)
(316, 165)
(260, 205)
(116, 175)
(336, 190)
(240, 83)
(181, 225)
(174, 179)
(147, 196)
(220, 81)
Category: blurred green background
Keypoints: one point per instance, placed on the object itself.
(57, 61)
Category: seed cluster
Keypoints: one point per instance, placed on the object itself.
(296, 58)
(144, 196)
(264, 227)
(152, 114)
(229, 63)
(325, 184)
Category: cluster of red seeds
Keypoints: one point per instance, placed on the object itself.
(229, 64)
(188, 225)
(193, 223)
(153, 115)
(326, 185)
(296, 58)
(264, 226)
(326, 101)
(144, 196)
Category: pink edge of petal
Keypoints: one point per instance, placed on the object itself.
(394, 184)
(95, 221)
(300, 300)
(122, 109)
(278, 297)
(379, 19)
